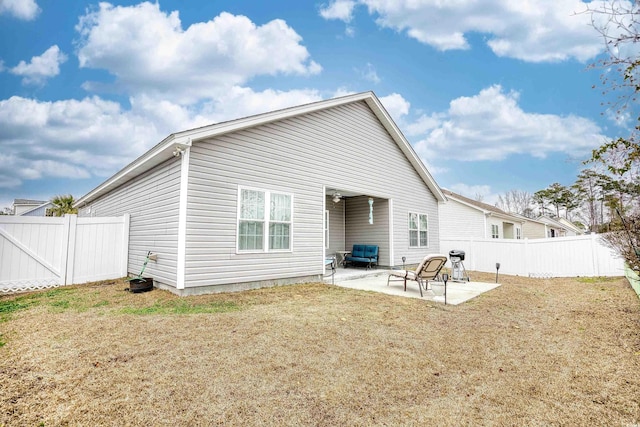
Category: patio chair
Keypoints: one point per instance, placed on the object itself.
(428, 269)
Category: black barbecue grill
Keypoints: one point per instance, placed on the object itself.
(458, 272)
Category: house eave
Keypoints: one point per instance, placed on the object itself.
(164, 150)
(157, 155)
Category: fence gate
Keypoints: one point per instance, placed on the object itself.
(43, 252)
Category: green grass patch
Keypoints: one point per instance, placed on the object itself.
(62, 304)
(100, 304)
(8, 307)
(56, 298)
(182, 307)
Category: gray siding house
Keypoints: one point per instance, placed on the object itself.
(264, 199)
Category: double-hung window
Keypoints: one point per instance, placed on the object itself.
(264, 221)
(495, 233)
(418, 230)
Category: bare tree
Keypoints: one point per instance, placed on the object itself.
(516, 201)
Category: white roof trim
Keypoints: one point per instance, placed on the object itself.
(163, 151)
(462, 202)
(35, 208)
(487, 212)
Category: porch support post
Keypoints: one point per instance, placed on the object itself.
(391, 251)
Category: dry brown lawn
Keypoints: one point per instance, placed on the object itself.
(532, 352)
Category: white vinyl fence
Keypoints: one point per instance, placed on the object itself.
(43, 252)
(584, 256)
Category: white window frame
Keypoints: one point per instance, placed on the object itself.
(267, 221)
(496, 234)
(418, 230)
(518, 233)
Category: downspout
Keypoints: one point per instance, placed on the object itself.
(184, 153)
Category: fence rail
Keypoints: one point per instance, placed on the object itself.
(43, 252)
(584, 256)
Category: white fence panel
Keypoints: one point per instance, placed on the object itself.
(41, 252)
(555, 257)
(31, 252)
(100, 248)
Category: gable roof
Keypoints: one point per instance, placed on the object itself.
(28, 202)
(35, 208)
(560, 223)
(527, 219)
(483, 207)
(164, 150)
(570, 225)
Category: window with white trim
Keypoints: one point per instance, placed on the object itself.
(418, 230)
(264, 221)
(518, 233)
(495, 231)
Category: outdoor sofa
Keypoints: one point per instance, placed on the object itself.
(363, 254)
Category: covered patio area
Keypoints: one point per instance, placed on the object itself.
(376, 280)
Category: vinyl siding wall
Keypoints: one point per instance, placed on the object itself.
(344, 147)
(41, 211)
(461, 221)
(152, 199)
(360, 232)
(533, 230)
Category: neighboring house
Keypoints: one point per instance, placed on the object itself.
(44, 209)
(250, 202)
(533, 228)
(559, 227)
(465, 218)
(571, 228)
(20, 206)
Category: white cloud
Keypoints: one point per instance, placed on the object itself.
(150, 53)
(40, 67)
(546, 30)
(21, 9)
(70, 138)
(338, 9)
(423, 124)
(93, 137)
(369, 73)
(396, 106)
(492, 126)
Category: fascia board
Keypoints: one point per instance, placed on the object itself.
(217, 129)
(155, 156)
(34, 208)
(162, 151)
(462, 202)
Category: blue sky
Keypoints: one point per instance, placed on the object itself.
(494, 95)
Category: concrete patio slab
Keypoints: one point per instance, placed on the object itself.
(457, 292)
